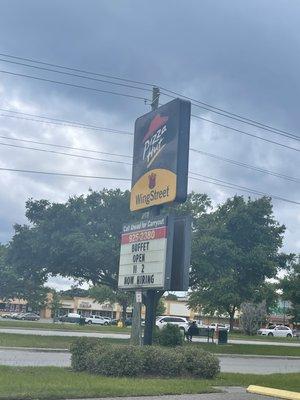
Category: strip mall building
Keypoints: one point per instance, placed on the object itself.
(87, 306)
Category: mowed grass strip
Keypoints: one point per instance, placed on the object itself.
(262, 338)
(251, 349)
(64, 342)
(38, 341)
(62, 326)
(58, 383)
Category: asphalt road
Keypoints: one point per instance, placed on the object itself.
(229, 393)
(242, 364)
(44, 332)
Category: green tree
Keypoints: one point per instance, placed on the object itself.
(37, 298)
(54, 301)
(79, 239)
(290, 286)
(103, 293)
(17, 282)
(160, 308)
(235, 248)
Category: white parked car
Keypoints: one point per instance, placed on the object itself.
(96, 319)
(219, 326)
(278, 331)
(181, 322)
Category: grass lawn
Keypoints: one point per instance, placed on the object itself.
(251, 349)
(58, 383)
(62, 326)
(64, 342)
(241, 336)
(36, 341)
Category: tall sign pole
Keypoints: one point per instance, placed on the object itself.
(155, 251)
(136, 337)
(152, 296)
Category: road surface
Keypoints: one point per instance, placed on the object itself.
(229, 393)
(50, 332)
(242, 364)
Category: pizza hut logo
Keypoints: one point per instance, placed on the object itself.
(152, 181)
(154, 138)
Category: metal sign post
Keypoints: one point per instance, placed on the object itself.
(136, 331)
(159, 177)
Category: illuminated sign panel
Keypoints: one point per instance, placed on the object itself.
(145, 248)
(160, 156)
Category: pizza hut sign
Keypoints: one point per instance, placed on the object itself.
(160, 156)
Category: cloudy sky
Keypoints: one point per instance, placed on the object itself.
(240, 56)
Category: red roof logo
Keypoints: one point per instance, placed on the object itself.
(155, 124)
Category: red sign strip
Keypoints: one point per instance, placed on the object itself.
(144, 235)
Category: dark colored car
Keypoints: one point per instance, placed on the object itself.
(71, 317)
(30, 317)
(128, 321)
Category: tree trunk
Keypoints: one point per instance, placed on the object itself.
(231, 318)
(124, 306)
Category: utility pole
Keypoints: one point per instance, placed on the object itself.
(155, 98)
(136, 337)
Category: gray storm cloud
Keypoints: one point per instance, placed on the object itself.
(240, 56)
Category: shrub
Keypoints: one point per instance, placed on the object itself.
(200, 363)
(170, 336)
(158, 361)
(79, 350)
(125, 360)
(115, 360)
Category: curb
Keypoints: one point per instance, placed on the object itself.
(36, 349)
(257, 356)
(281, 394)
(56, 350)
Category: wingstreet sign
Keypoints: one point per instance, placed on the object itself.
(146, 254)
(160, 156)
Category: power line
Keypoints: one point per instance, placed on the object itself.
(77, 70)
(64, 154)
(63, 123)
(76, 75)
(63, 174)
(215, 156)
(98, 128)
(246, 133)
(64, 146)
(199, 103)
(231, 185)
(232, 116)
(218, 182)
(249, 166)
(74, 85)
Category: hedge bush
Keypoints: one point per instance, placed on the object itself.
(131, 361)
(80, 348)
(170, 336)
(158, 361)
(200, 363)
(115, 360)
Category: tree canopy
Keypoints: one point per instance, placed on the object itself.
(290, 286)
(17, 282)
(235, 248)
(79, 238)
